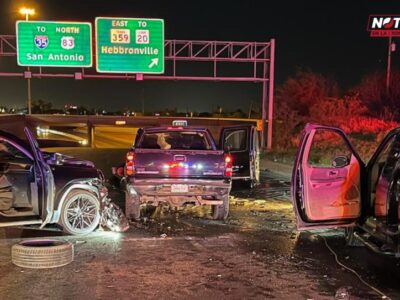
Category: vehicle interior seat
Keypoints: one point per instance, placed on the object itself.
(150, 142)
(197, 143)
(6, 194)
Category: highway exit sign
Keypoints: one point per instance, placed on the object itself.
(126, 45)
(54, 44)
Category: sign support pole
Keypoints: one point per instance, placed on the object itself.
(29, 93)
(389, 58)
(29, 81)
(264, 108)
(271, 94)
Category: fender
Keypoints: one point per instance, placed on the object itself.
(87, 185)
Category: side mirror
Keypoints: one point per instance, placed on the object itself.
(340, 161)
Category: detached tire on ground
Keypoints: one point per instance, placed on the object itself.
(42, 254)
(221, 212)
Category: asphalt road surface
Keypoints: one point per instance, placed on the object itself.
(179, 254)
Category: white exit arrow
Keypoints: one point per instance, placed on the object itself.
(154, 62)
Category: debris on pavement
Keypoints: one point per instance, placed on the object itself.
(342, 293)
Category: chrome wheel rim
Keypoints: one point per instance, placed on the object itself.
(82, 213)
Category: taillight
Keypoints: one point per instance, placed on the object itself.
(228, 164)
(130, 163)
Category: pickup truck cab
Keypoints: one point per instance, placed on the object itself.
(332, 187)
(177, 165)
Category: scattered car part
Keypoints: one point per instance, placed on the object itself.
(41, 254)
(112, 217)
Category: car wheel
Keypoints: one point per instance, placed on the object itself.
(80, 213)
(40, 254)
(221, 212)
(350, 239)
(132, 207)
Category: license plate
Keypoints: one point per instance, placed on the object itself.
(179, 188)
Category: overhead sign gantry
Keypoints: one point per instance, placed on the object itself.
(134, 49)
(126, 45)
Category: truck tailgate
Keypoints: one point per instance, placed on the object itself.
(179, 163)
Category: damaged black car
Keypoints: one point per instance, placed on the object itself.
(50, 188)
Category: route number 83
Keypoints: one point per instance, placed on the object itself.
(68, 42)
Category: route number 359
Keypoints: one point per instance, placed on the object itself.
(120, 36)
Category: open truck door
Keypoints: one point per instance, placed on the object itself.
(242, 142)
(326, 180)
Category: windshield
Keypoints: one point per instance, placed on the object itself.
(175, 140)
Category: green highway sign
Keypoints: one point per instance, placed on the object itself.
(54, 44)
(126, 45)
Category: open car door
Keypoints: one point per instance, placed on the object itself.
(45, 180)
(326, 186)
(242, 142)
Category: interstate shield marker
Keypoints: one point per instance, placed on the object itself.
(54, 44)
(126, 45)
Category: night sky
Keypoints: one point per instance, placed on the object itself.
(328, 37)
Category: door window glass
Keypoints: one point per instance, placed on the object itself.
(235, 140)
(10, 153)
(327, 145)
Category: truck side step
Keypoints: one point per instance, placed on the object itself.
(373, 246)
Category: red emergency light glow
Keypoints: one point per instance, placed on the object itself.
(175, 128)
(175, 165)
